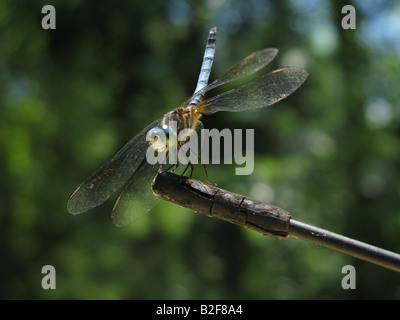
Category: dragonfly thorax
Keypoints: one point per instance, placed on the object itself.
(176, 128)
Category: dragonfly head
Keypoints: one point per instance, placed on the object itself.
(159, 137)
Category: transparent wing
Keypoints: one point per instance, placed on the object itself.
(137, 197)
(105, 181)
(250, 64)
(258, 93)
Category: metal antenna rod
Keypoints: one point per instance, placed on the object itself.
(345, 245)
(261, 217)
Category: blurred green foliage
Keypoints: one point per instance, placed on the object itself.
(329, 154)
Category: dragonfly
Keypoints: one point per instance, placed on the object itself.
(131, 173)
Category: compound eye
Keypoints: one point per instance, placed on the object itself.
(158, 138)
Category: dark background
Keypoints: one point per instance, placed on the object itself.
(70, 98)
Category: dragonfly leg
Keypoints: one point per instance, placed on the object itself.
(205, 171)
(191, 171)
(207, 180)
(174, 166)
